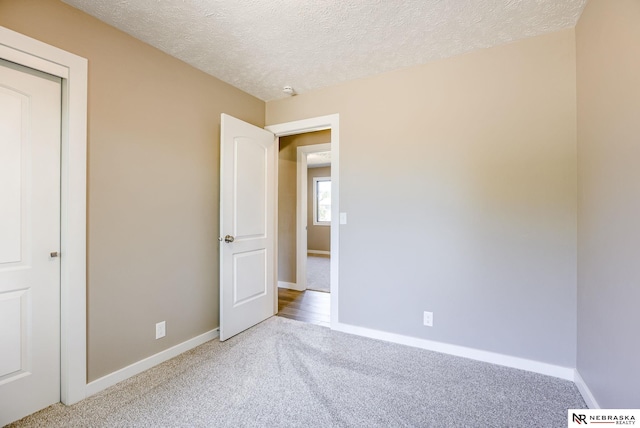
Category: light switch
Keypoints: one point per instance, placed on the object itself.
(343, 218)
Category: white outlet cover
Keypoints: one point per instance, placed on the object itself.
(428, 319)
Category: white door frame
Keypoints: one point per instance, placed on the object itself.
(321, 123)
(301, 211)
(23, 50)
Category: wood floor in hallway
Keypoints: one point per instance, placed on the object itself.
(309, 306)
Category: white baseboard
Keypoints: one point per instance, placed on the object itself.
(322, 252)
(147, 363)
(587, 396)
(561, 372)
(289, 285)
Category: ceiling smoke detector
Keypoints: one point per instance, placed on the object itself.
(288, 90)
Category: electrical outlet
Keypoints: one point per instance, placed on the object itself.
(161, 329)
(428, 319)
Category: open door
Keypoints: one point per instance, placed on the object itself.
(248, 189)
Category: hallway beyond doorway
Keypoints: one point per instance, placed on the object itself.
(308, 306)
(319, 273)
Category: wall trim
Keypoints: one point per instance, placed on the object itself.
(149, 362)
(321, 252)
(587, 396)
(289, 286)
(73, 70)
(567, 373)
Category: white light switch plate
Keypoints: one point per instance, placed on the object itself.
(161, 329)
(343, 218)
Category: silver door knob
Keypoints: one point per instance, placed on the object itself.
(229, 239)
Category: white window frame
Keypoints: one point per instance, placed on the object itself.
(316, 222)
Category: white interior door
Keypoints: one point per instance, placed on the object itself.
(30, 118)
(247, 225)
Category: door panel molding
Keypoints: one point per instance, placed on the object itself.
(23, 50)
(248, 186)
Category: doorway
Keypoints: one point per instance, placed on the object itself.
(72, 70)
(313, 258)
(291, 279)
(303, 237)
(257, 172)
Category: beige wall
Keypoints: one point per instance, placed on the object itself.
(152, 185)
(608, 71)
(478, 161)
(287, 185)
(318, 237)
(459, 181)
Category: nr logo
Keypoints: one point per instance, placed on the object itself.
(580, 419)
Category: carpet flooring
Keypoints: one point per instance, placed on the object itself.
(285, 373)
(318, 273)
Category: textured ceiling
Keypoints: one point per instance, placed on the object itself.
(260, 46)
(316, 160)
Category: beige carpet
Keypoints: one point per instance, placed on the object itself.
(318, 273)
(285, 373)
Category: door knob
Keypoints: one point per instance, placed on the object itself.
(54, 254)
(229, 239)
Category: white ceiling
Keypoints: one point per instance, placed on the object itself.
(260, 46)
(318, 159)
